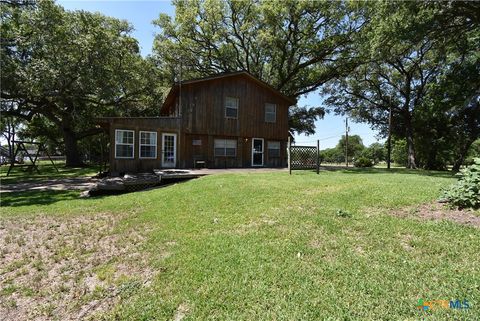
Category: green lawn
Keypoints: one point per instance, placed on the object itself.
(47, 171)
(272, 247)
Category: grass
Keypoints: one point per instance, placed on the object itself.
(274, 246)
(47, 171)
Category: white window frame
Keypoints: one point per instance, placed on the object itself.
(140, 144)
(225, 147)
(229, 107)
(274, 113)
(268, 148)
(132, 144)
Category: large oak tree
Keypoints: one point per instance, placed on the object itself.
(296, 46)
(421, 61)
(66, 68)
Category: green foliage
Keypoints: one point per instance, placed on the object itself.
(375, 152)
(332, 155)
(343, 213)
(363, 162)
(296, 46)
(466, 192)
(421, 62)
(257, 246)
(399, 152)
(355, 145)
(61, 69)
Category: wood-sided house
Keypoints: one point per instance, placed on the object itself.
(224, 121)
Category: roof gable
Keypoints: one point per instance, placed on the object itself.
(174, 90)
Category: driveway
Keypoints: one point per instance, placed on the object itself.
(85, 183)
(56, 184)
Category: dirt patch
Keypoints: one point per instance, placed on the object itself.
(438, 211)
(58, 268)
(181, 312)
(57, 184)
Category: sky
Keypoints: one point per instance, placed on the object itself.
(141, 14)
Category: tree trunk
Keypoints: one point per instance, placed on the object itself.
(71, 149)
(411, 163)
(461, 156)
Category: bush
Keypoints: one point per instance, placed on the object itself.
(363, 162)
(466, 192)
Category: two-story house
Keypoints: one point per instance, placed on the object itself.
(223, 121)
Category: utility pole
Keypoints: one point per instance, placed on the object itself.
(346, 141)
(179, 110)
(389, 139)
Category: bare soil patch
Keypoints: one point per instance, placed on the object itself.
(438, 211)
(55, 184)
(68, 268)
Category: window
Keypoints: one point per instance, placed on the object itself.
(273, 149)
(148, 144)
(225, 147)
(270, 113)
(231, 107)
(124, 141)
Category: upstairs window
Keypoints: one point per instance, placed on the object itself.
(124, 142)
(231, 107)
(270, 113)
(273, 149)
(225, 147)
(148, 144)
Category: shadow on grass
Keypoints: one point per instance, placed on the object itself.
(29, 198)
(356, 170)
(47, 171)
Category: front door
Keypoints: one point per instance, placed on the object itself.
(169, 150)
(257, 152)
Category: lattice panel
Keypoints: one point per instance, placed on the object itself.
(303, 157)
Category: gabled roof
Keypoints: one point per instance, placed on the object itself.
(173, 91)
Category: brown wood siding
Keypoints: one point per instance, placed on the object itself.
(137, 164)
(202, 118)
(203, 109)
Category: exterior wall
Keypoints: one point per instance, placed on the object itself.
(158, 125)
(203, 109)
(206, 152)
(201, 120)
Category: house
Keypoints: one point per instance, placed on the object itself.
(223, 121)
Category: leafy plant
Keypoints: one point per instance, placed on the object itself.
(363, 162)
(466, 192)
(342, 213)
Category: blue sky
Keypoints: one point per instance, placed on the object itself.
(141, 14)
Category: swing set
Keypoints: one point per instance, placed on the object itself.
(20, 146)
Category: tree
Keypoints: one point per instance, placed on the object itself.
(10, 127)
(415, 56)
(66, 68)
(332, 155)
(375, 152)
(398, 82)
(399, 152)
(355, 146)
(296, 46)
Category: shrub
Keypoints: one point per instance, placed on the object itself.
(465, 192)
(363, 162)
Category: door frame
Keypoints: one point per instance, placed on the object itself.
(263, 151)
(174, 150)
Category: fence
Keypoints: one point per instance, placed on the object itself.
(303, 157)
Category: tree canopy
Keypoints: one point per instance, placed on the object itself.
(60, 69)
(295, 46)
(415, 58)
(420, 60)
